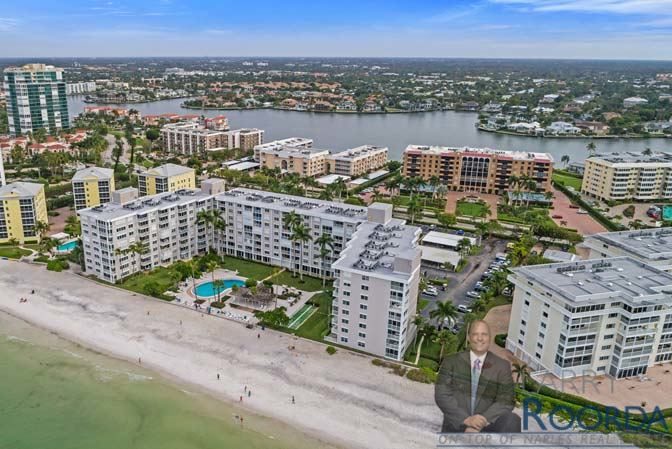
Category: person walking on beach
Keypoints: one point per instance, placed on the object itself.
(245, 390)
(293, 402)
(241, 399)
(258, 336)
(249, 393)
(217, 376)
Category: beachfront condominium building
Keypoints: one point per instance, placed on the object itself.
(245, 139)
(476, 169)
(601, 316)
(36, 99)
(357, 161)
(360, 259)
(376, 286)
(620, 176)
(92, 186)
(650, 246)
(295, 142)
(166, 178)
(191, 138)
(22, 206)
(165, 224)
(307, 162)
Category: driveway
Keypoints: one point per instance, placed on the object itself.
(464, 281)
(583, 223)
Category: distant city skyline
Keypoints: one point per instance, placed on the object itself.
(581, 29)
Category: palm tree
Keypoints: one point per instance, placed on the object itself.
(647, 152)
(463, 246)
(218, 286)
(428, 331)
(521, 370)
(444, 338)
(191, 265)
(591, 148)
(138, 249)
(47, 245)
(212, 266)
(41, 228)
(301, 235)
(326, 243)
(565, 159)
(419, 321)
(205, 217)
(326, 194)
(392, 185)
(218, 224)
(514, 182)
(446, 220)
(434, 182)
(413, 209)
(290, 220)
(444, 310)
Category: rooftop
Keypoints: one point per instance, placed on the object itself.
(601, 280)
(290, 141)
(356, 152)
(95, 172)
(20, 190)
(289, 151)
(168, 170)
(517, 155)
(653, 244)
(324, 209)
(632, 157)
(374, 248)
(111, 211)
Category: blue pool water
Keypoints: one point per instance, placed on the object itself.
(67, 246)
(208, 289)
(667, 212)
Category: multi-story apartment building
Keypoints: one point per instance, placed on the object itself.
(302, 161)
(165, 223)
(3, 181)
(295, 142)
(361, 259)
(83, 87)
(376, 286)
(191, 138)
(600, 316)
(35, 99)
(477, 170)
(621, 176)
(92, 186)
(166, 178)
(22, 206)
(650, 246)
(357, 161)
(246, 139)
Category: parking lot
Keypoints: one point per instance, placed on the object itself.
(464, 281)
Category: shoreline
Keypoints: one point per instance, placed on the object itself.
(580, 136)
(276, 108)
(335, 394)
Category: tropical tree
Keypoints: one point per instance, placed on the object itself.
(191, 265)
(392, 185)
(212, 266)
(138, 249)
(327, 194)
(463, 246)
(444, 310)
(46, 245)
(591, 148)
(41, 228)
(565, 159)
(72, 226)
(521, 371)
(446, 220)
(218, 286)
(444, 338)
(427, 331)
(419, 321)
(434, 182)
(218, 224)
(414, 208)
(326, 243)
(290, 220)
(301, 235)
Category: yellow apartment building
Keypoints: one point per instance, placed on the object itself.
(22, 205)
(302, 161)
(92, 187)
(166, 178)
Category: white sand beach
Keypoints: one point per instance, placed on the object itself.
(342, 399)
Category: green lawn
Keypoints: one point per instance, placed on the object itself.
(317, 326)
(165, 279)
(569, 181)
(422, 304)
(498, 301)
(13, 252)
(310, 284)
(471, 209)
(249, 269)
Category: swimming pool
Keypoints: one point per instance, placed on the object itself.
(667, 212)
(208, 289)
(67, 247)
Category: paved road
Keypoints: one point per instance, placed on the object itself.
(111, 143)
(461, 283)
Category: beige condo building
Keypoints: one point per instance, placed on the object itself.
(92, 186)
(480, 170)
(620, 176)
(357, 161)
(302, 161)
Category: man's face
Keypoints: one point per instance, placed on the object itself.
(479, 338)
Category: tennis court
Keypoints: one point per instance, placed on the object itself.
(301, 316)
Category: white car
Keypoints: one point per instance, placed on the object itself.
(473, 294)
(464, 309)
(429, 292)
(582, 211)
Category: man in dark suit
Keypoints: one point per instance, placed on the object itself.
(475, 390)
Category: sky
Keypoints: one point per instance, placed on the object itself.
(581, 29)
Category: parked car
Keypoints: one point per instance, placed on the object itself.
(459, 232)
(556, 216)
(473, 294)
(480, 288)
(464, 309)
(582, 211)
(429, 292)
(507, 291)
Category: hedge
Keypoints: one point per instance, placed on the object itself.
(500, 340)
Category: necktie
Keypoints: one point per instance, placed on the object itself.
(475, 374)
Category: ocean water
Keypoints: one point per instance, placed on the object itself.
(55, 394)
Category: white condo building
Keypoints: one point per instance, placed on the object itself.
(650, 246)
(295, 142)
(602, 316)
(166, 223)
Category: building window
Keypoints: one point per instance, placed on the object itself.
(361, 344)
(344, 339)
(610, 336)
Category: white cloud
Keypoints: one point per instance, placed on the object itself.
(8, 24)
(595, 6)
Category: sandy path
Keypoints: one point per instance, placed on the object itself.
(342, 398)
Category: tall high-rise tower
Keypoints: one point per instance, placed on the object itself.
(35, 99)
